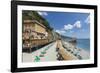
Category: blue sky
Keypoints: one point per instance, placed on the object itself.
(69, 23)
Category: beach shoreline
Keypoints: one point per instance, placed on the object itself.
(79, 51)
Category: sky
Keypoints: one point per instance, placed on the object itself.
(69, 23)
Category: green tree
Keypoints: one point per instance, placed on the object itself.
(31, 15)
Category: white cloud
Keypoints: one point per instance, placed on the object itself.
(43, 13)
(71, 31)
(60, 31)
(68, 27)
(77, 24)
(87, 20)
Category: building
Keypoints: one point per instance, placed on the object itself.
(35, 34)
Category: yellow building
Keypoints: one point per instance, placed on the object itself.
(34, 34)
(35, 28)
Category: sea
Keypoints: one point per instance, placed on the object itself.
(81, 43)
(84, 44)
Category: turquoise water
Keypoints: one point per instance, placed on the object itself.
(81, 43)
(84, 44)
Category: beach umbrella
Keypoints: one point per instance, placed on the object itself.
(37, 59)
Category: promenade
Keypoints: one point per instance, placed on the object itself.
(55, 51)
(47, 53)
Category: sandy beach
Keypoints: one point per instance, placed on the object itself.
(78, 51)
(65, 54)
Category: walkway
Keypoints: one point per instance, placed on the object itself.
(47, 53)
